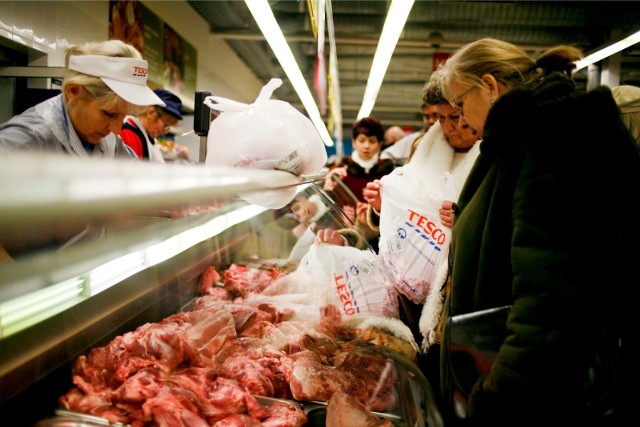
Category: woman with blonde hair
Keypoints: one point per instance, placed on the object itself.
(628, 99)
(103, 82)
(533, 232)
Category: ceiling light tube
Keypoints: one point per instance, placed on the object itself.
(393, 25)
(334, 81)
(263, 15)
(608, 51)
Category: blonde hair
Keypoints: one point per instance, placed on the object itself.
(632, 122)
(508, 63)
(105, 97)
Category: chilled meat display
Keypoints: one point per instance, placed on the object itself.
(345, 410)
(205, 365)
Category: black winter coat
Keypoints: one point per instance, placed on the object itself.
(548, 222)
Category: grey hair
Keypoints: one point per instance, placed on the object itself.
(94, 85)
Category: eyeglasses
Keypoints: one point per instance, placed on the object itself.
(457, 104)
(165, 126)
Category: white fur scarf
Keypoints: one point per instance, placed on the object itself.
(432, 158)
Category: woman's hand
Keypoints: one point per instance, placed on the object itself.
(371, 194)
(361, 212)
(330, 177)
(349, 212)
(447, 213)
(328, 235)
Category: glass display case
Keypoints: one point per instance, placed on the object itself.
(97, 252)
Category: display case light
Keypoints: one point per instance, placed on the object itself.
(22, 312)
(115, 271)
(25, 311)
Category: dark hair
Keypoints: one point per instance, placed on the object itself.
(432, 91)
(369, 126)
(559, 58)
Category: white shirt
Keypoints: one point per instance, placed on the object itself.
(46, 127)
(399, 150)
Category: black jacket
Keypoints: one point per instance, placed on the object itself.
(548, 222)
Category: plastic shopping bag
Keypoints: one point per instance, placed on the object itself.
(413, 242)
(354, 280)
(268, 134)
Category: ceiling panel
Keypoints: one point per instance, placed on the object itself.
(433, 26)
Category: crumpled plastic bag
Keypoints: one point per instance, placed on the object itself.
(353, 280)
(268, 134)
(413, 242)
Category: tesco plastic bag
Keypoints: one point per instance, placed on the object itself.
(354, 280)
(413, 242)
(268, 134)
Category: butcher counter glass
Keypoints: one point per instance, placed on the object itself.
(149, 294)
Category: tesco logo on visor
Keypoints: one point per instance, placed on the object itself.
(139, 71)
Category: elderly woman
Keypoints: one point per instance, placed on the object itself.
(548, 151)
(451, 147)
(103, 83)
(628, 99)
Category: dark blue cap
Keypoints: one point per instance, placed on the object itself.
(173, 103)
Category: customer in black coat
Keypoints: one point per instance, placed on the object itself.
(547, 223)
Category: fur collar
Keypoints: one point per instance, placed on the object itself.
(434, 156)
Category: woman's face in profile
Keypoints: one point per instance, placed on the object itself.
(92, 121)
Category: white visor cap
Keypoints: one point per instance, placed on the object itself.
(127, 77)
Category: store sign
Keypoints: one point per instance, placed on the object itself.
(172, 60)
(439, 58)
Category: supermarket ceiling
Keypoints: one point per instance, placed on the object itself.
(433, 27)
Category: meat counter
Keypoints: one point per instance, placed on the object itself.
(102, 251)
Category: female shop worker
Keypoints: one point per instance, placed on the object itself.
(547, 224)
(140, 132)
(103, 82)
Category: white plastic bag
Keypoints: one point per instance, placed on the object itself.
(268, 134)
(354, 280)
(413, 242)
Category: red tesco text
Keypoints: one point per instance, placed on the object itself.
(429, 227)
(140, 71)
(343, 294)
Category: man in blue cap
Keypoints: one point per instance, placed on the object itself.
(140, 132)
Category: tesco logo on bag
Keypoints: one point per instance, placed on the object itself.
(344, 294)
(430, 228)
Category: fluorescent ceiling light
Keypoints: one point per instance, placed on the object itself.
(608, 51)
(263, 15)
(393, 25)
